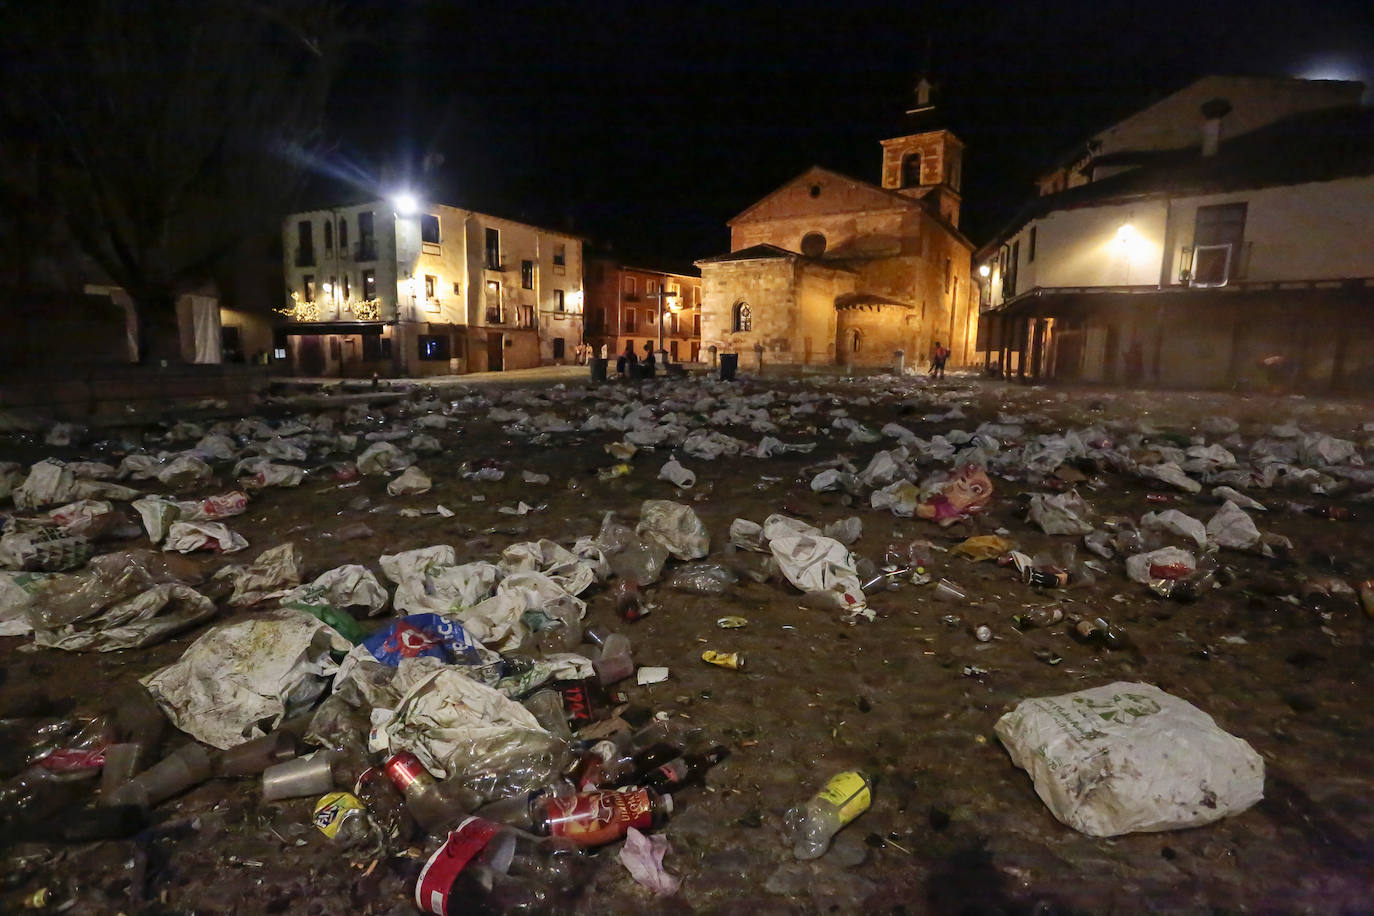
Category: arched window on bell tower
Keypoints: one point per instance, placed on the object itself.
(911, 170)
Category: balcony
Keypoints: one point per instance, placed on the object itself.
(366, 250)
(305, 257)
(494, 261)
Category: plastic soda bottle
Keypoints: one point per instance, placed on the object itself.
(809, 828)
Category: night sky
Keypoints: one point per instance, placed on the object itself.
(649, 124)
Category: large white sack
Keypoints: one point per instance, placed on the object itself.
(815, 563)
(243, 676)
(1129, 758)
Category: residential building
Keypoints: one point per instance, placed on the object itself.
(830, 270)
(1218, 238)
(373, 288)
(627, 304)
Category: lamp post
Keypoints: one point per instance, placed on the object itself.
(664, 304)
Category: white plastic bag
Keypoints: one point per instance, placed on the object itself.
(1129, 758)
(246, 675)
(676, 527)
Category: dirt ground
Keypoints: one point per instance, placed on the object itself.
(909, 697)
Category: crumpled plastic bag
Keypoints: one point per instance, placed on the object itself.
(1170, 473)
(244, 676)
(642, 857)
(1165, 563)
(845, 530)
(770, 447)
(1130, 758)
(401, 566)
(430, 636)
(968, 491)
(883, 469)
(383, 458)
(43, 548)
(185, 537)
(49, 482)
(574, 574)
(446, 589)
(18, 591)
(816, 563)
(1240, 499)
(260, 473)
(1232, 528)
(1060, 513)
(157, 513)
(901, 497)
(1172, 521)
(274, 572)
(461, 729)
(184, 472)
(145, 619)
(675, 526)
(343, 587)
(411, 482)
(709, 445)
(675, 473)
(747, 535)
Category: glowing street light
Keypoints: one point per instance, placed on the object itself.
(405, 202)
(984, 270)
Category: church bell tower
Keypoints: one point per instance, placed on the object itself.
(926, 162)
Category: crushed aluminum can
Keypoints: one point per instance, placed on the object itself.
(732, 660)
(731, 623)
(334, 811)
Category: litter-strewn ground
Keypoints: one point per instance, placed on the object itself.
(1279, 654)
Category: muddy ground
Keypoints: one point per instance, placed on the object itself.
(909, 697)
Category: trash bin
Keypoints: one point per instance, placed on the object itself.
(728, 363)
(598, 369)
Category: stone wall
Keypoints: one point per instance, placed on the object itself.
(879, 333)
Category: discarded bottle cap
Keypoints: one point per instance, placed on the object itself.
(731, 623)
(982, 633)
(732, 660)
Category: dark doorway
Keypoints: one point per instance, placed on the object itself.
(312, 355)
(558, 348)
(495, 345)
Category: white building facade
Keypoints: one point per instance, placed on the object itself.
(372, 289)
(1240, 261)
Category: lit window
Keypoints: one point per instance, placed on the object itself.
(369, 284)
(743, 319)
(527, 275)
(430, 284)
(309, 287)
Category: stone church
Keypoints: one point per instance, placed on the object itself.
(829, 270)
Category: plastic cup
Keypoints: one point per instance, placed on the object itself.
(252, 757)
(174, 774)
(946, 590)
(312, 775)
(122, 761)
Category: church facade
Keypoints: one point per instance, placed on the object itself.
(828, 270)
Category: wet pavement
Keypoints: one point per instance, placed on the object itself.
(1278, 655)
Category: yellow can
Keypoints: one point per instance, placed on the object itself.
(335, 809)
(732, 660)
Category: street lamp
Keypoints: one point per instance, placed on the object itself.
(663, 295)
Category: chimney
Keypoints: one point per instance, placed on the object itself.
(1212, 113)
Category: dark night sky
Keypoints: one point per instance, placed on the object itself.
(649, 124)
